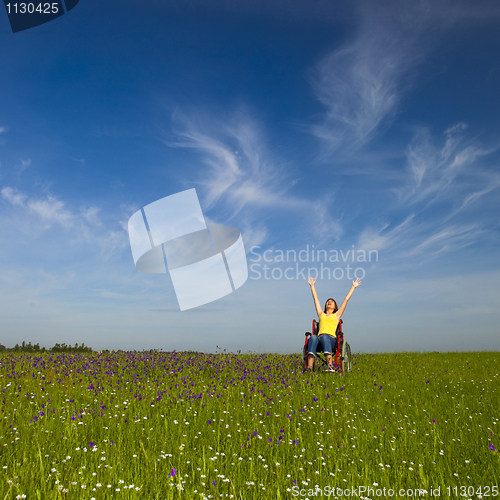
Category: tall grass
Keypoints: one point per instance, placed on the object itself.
(185, 425)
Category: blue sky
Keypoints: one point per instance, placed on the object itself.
(343, 125)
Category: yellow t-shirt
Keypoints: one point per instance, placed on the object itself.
(328, 324)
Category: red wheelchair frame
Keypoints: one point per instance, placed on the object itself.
(342, 354)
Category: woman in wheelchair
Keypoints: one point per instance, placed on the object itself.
(328, 320)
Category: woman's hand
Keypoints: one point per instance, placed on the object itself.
(317, 305)
(355, 284)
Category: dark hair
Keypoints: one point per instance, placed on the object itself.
(335, 309)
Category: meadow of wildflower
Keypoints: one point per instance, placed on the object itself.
(249, 426)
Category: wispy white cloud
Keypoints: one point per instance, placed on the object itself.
(243, 176)
(50, 209)
(450, 238)
(91, 215)
(474, 196)
(14, 196)
(54, 254)
(24, 165)
(3, 129)
(434, 170)
(239, 166)
(438, 184)
(360, 84)
(385, 236)
(33, 216)
(445, 183)
(418, 240)
(453, 172)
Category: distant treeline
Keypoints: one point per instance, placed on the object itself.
(29, 347)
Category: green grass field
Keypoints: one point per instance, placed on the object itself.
(186, 425)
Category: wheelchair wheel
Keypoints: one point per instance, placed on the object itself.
(346, 358)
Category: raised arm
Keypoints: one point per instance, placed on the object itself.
(341, 310)
(315, 297)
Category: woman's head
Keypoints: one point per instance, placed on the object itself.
(330, 306)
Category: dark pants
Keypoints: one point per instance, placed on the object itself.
(323, 343)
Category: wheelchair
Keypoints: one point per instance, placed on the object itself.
(342, 355)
